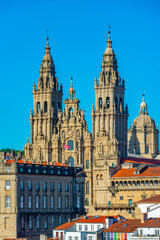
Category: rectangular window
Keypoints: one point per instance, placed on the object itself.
(71, 145)
(38, 222)
(92, 227)
(8, 186)
(80, 227)
(37, 201)
(44, 201)
(46, 223)
(52, 202)
(86, 227)
(77, 187)
(22, 201)
(30, 223)
(121, 197)
(53, 224)
(29, 201)
(37, 170)
(52, 186)
(90, 237)
(8, 201)
(7, 223)
(59, 187)
(45, 186)
(78, 202)
(59, 201)
(98, 227)
(75, 238)
(67, 187)
(130, 202)
(60, 220)
(29, 185)
(37, 186)
(21, 185)
(70, 238)
(29, 170)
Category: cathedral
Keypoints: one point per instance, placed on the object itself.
(63, 136)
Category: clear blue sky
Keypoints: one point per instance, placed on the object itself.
(78, 34)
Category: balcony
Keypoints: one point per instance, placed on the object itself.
(115, 206)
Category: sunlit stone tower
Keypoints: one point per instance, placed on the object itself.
(47, 98)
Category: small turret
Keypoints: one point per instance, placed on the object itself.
(143, 107)
(71, 91)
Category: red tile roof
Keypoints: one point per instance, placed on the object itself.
(124, 226)
(22, 161)
(65, 226)
(140, 160)
(153, 199)
(149, 172)
(151, 223)
(93, 219)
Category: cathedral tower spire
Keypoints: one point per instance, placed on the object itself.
(110, 112)
(47, 99)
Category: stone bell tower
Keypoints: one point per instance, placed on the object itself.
(109, 129)
(109, 113)
(47, 98)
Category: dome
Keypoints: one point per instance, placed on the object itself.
(47, 58)
(143, 120)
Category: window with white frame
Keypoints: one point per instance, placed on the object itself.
(22, 201)
(75, 238)
(59, 201)
(86, 227)
(8, 185)
(37, 201)
(8, 201)
(98, 227)
(92, 227)
(44, 201)
(38, 222)
(52, 201)
(90, 237)
(29, 201)
(80, 227)
(69, 238)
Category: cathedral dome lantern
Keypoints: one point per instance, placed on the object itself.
(143, 107)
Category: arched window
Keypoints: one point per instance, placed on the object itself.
(38, 107)
(116, 102)
(70, 112)
(87, 164)
(87, 202)
(101, 176)
(71, 161)
(100, 102)
(45, 107)
(121, 104)
(87, 187)
(70, 143)
(108, 102)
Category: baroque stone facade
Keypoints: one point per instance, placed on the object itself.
(63, 137)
